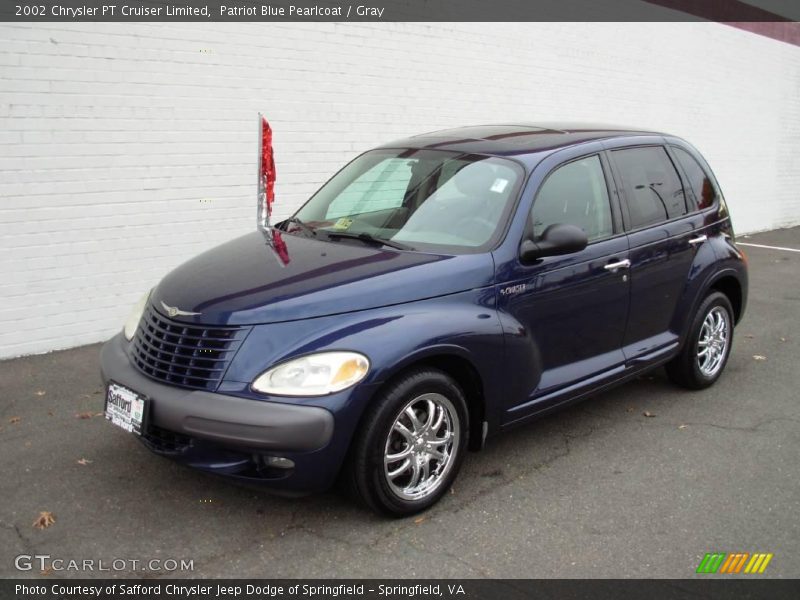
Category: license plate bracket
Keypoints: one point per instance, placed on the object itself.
(127, 408)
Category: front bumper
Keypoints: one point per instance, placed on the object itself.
(226, 434)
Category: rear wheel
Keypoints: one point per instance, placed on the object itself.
(706, 351)
(411, 444)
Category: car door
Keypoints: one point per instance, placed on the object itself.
(662, 236)
(569, 312)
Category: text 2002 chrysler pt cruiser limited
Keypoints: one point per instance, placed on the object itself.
(436, 290)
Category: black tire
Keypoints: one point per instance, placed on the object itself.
(685, 369)
(365, 476)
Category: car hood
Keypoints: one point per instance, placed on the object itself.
(251, 280)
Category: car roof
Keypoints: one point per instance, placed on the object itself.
(515, 139)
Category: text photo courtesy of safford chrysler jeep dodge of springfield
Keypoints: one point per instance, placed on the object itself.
(434, 292)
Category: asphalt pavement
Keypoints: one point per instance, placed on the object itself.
(598, 490)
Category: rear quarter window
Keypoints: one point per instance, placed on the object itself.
(700, 183)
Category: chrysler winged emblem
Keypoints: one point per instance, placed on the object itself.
(174, 311)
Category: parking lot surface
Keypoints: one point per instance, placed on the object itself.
(598, 490)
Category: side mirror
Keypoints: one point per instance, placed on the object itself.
(556, 240)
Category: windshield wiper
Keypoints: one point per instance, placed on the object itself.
(307, 228)
(368, 238)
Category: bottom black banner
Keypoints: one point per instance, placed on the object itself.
(374, 589)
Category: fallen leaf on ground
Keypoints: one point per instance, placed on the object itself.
(759, 357)
(419, 520)
(749, 336)
(40, 392)
(14, 420)
(682, 426)
(647, 413)
(44, 520)
(84, 461)
(99, 414)
(84, 415)
(783, 339)
(46, 571)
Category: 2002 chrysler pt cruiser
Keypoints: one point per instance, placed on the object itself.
(436, 291)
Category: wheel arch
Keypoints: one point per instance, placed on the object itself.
(726, 280)
(455, 362)
(729, 285)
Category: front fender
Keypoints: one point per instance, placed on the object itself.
(465, 325)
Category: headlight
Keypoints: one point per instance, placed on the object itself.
(314, 375)
(136, 315)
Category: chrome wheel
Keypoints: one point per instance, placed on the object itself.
(421, 445)
(712, 344)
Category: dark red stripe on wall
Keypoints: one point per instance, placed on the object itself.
(788, 32)
(723, 11)
(740, 15)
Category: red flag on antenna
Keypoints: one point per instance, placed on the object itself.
(266, 174)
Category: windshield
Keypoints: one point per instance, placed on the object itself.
(422, 199)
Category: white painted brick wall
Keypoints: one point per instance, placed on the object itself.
(125, 149)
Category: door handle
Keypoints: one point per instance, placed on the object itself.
(698, 240)
(622, 264)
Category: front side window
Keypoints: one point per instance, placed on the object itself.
(574, 194)
(699, 181)
(426, 199)
(653, 189)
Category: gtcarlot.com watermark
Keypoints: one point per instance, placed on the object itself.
(48, 563)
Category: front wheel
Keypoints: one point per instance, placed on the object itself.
(411, 444)
(706, 351)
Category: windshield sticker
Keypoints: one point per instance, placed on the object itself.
(343, 223)
(499, 185)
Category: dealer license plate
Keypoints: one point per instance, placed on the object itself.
(126, 408)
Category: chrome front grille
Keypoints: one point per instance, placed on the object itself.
(192, 356)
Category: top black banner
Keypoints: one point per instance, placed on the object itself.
(395, 10)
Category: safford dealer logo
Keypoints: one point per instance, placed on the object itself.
(736, 562)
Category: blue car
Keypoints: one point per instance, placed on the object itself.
(436, 291)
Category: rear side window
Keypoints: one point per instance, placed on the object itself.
(699, 181)
(574, 194)
(653, 189)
